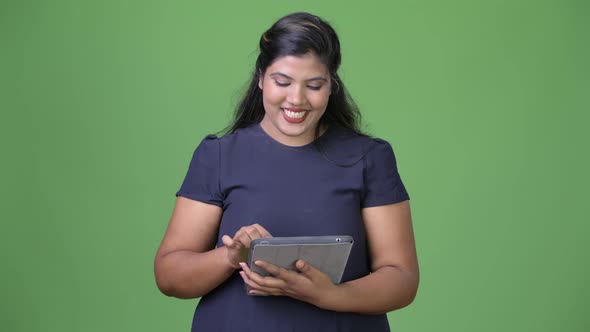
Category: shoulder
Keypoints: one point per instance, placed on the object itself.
(206, 152)
(225, 147)
(240, 134)
(245, 134)
(347, 147)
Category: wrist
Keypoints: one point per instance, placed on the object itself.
(332, 298)
(228, 259)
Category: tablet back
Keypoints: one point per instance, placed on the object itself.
(329, 254)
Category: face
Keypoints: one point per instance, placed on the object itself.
(295, 93)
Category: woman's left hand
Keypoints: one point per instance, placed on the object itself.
(310, 285)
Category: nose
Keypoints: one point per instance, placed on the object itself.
(296, 95)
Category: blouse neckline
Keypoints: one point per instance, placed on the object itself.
(323, 136)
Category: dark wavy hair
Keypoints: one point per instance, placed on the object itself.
(297, 34)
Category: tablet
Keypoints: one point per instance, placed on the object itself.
(329, 254)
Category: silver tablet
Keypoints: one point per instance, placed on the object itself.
(329, 254)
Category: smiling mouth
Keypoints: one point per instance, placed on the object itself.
(294, 116)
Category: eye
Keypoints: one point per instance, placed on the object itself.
(281, 83)
(315, 88)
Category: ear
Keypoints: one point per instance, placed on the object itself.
(260, 79)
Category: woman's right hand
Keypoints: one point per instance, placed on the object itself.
(241, 241)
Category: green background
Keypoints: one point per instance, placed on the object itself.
(485, 102)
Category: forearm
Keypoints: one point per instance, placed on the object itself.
(188, 274)
(384, 290)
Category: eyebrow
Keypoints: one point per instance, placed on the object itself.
(317, 78)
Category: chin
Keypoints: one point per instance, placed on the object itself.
(294, 131)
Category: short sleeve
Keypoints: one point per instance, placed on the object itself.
(383, 184)
(201, 182)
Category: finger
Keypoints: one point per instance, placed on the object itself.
(259, 293)
(243, 237)
(252, 232)
(228, 241)
(256, 231)
(275, 271)
(266, 281)
(307, 270)
(248, 233)
(256, 289)
(263, 232)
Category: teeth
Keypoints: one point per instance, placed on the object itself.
(295, 115)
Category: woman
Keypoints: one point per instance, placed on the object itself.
(294, 163)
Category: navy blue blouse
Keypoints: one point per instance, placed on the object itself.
(315, 189)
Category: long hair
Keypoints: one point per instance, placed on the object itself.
(297, 34)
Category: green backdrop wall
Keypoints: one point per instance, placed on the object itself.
(485, 102)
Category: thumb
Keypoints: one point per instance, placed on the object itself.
(228, 241)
